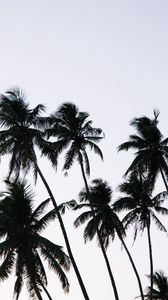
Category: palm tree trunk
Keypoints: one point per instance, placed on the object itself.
(108, 267)
(151, 260)
(98, 234)
(64, 233)
(46, 291)
(164, 180)
(134, 267)
(39, 295)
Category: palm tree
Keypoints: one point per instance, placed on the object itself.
(142, 207)
(106, 220)
(152, 149)
(160, 290)
(23, 245)
(19, 136)
(74, 133)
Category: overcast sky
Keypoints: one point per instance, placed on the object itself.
(111, 59)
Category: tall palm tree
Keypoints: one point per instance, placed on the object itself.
(160, 290)
(106, 220)
(23, 245)
(19, 136)
(151, 149)
(74, 134)
(142, 207)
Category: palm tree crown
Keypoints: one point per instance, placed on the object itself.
(72, 129)
(138, 200)
(105, 218)
(160, 290)
(19, 134)
(21, 227)
(152, 150)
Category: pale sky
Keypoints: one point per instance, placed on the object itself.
(111, 59)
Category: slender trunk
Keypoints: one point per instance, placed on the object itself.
(151, 260)
(164, 180)
(64, 233)
(39, 295)
(98, 234)
(46, 291)
(108, 267)
(134, 267)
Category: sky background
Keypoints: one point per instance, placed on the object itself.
(111, 59)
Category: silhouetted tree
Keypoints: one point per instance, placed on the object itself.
(151, 153)
(19, 136)
(23, 245)
(74, 134)
(142, 207)
(105, 219)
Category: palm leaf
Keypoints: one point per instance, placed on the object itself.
(124, 203)
(70, 156)
(40, 209)
(82, 218)
(55, 250)
(94, 147)
(7, 265)
(56, 267)
(159, 225)
(91, 229)
(67, 205)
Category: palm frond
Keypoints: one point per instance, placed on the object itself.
(7, 266)
(82, 218)
(35, 114)
(70, 156)
(159, 225)
(124, 203)
(94, 147)
(44, 221)
(91, 229)
(161, 210)
(55, 266)
(40, 209)
(130, 218)
(19, 273)
(55, 250)
(66, 205)
(127, 145)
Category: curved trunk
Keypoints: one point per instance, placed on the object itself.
(151, 260)
(134, 267)
(38, 294)
(108, 267)
(98, 234)
(64, 233)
